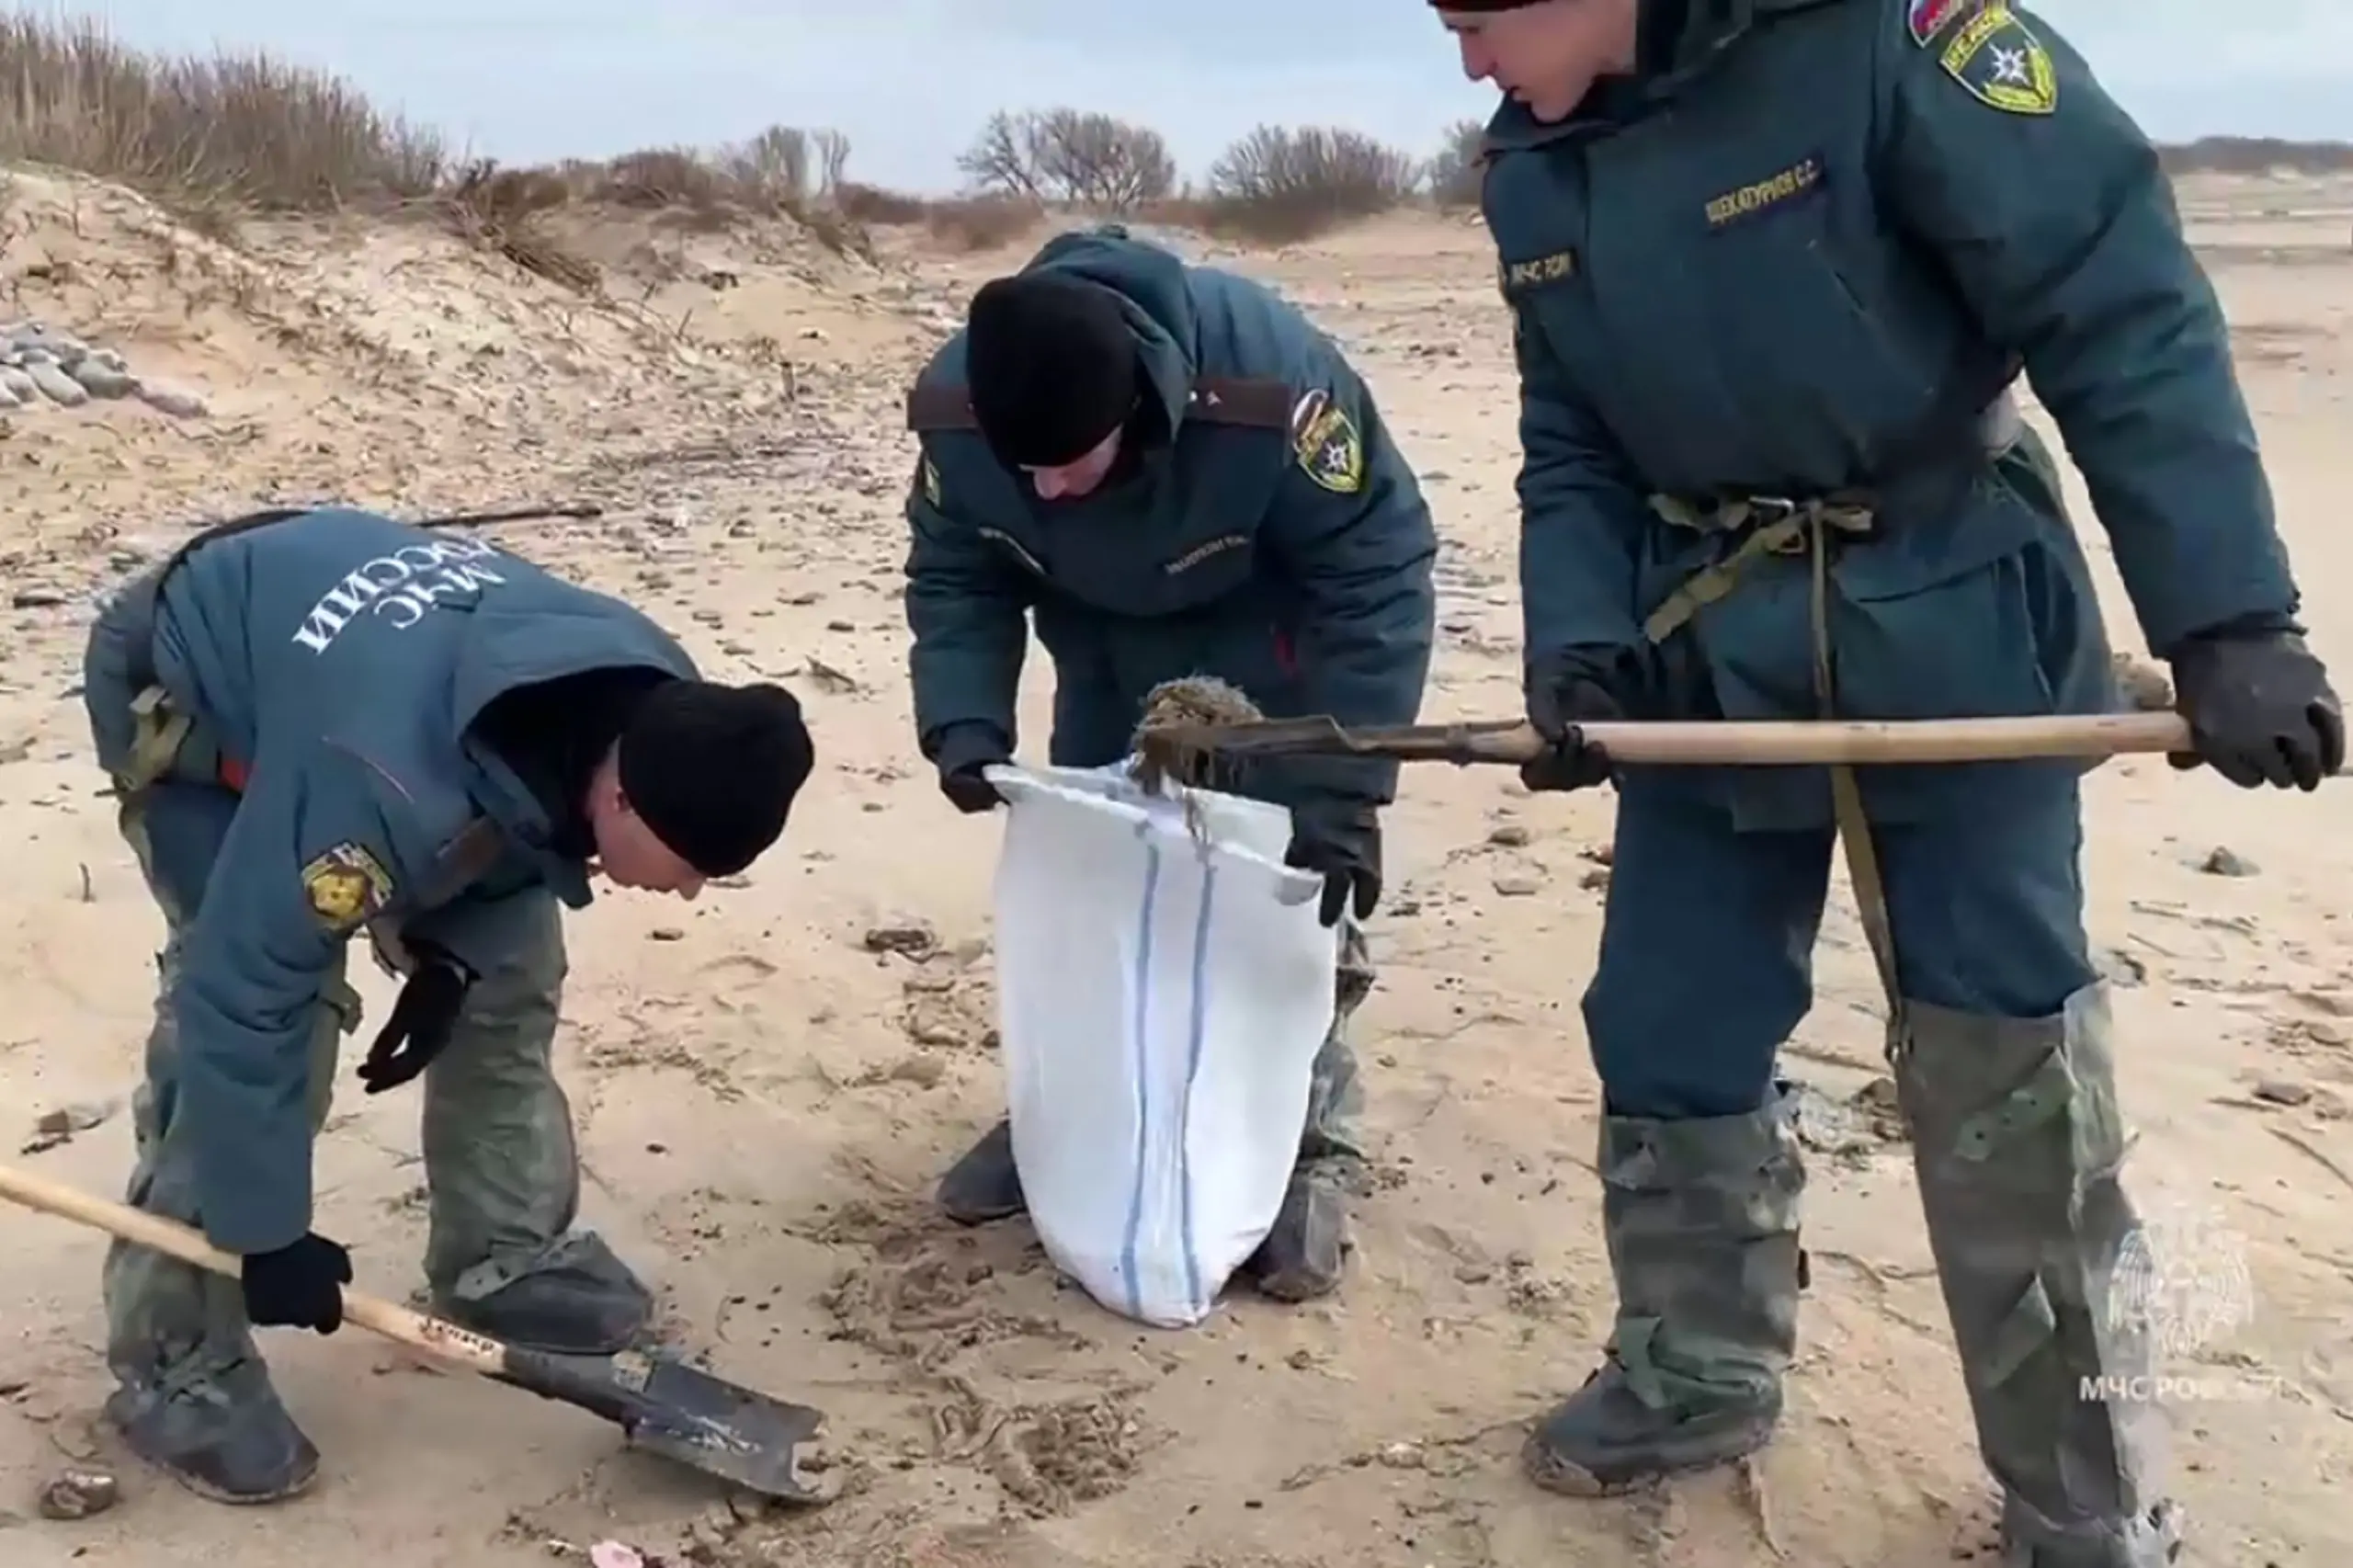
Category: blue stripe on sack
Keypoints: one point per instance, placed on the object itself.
(1198, 1032)
(1141, 983)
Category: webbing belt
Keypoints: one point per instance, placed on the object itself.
(157, 732)
(1778, 527)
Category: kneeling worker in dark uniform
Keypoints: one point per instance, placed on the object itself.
(322, 721)
(1178, 475)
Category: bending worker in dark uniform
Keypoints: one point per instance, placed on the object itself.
(1177, 475)
(323, 721)
(1766, 332)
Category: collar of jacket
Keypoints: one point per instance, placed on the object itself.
(1677, 43)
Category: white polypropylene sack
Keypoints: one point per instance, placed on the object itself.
(1161, 999)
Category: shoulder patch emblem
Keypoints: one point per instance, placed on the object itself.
(1325, 440)
(1928, 18)
(927, 475)
(1998, 58)
(346, 886)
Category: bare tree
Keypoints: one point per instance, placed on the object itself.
(833, 160)
(772, 167)
(998, 159)
(1070, 156)
(786, 166)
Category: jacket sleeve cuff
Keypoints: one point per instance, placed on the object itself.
(967, 741)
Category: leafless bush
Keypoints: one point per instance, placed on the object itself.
(874, 206)
(1070, 156)
(982, 222)
(678, 179)
(1452, 177)
(1281, 183)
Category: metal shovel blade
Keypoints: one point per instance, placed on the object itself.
(666, 1406)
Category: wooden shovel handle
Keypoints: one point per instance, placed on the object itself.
(1752, 743)
(444, 1341)
(1860, 742)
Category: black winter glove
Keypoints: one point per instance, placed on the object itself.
(965, 752)
(424, 1017)
(1574, 687)
(2260, 709)
(299, 1286)
(1343, 842)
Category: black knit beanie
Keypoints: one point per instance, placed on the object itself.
(713, 769)
(1051, 364)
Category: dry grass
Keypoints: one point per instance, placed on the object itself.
(244, 133)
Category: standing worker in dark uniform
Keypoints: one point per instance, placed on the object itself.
(323, 721)
(1177, 475)
(1773, 266)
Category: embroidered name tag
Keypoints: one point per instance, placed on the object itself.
(1517, 277)
(1203, 551)
(1800, 179)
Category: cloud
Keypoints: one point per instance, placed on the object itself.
(910, 81)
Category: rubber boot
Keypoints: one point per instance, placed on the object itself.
(1306, 1252)
(984, 1185)
(583, 1301)
(2017, 1141)
(1701, 1218)
(2029, 1540)
(220, 1431)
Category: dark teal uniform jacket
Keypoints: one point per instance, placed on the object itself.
(337, 659)
(1279, 542)
(1801, 256)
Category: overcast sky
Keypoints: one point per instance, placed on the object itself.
(909, 80)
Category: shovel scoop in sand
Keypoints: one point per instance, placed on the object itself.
(661, 1405)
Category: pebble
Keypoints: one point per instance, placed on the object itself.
(55, 384)
(79, 1495)
(177, 402)
(915, 938)
(101, 379)
(2279, 1091)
